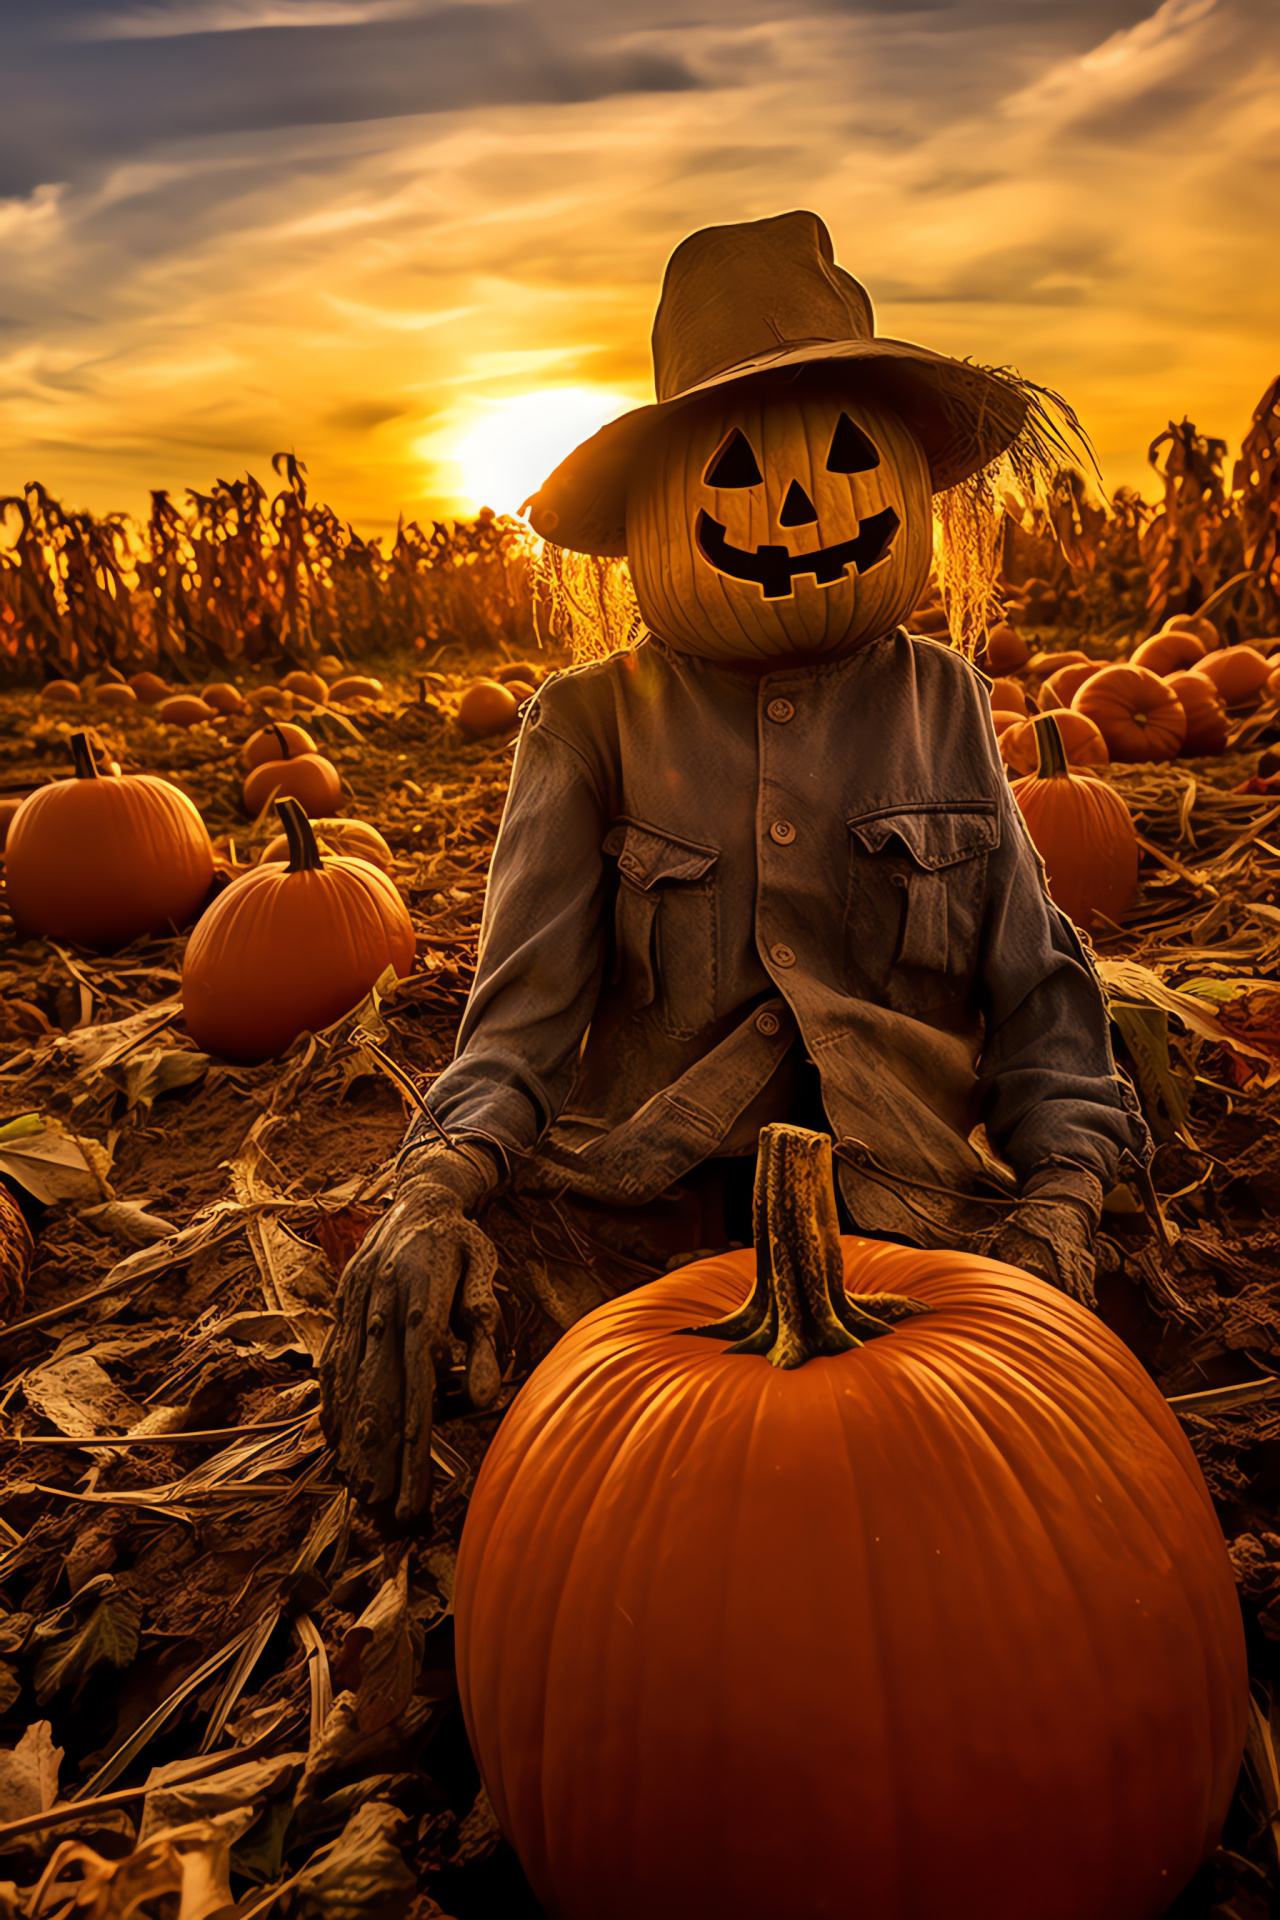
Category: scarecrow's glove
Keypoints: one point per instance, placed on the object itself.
(415, 1298)
(1050, 1231)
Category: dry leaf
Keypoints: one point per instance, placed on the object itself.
(238, 1793)
(126, 1220)
(192, 1861)
(29, 1774)
(384, 1649)
(51, 1167)
(363, 1876)
(78, 1396)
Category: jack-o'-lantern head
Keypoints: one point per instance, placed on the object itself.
(778, 517)
(776, 497)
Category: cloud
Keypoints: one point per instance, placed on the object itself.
(353, 238)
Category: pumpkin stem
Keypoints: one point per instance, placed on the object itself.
(82, 754)
(304, 854)
(798, 1307)
(279, 733)
(1051, 754)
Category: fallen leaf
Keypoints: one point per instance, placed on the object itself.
(125, 1220)
(79, 1396)
(239, 1792)
(50, 1166)
(29, 1773)
(144, 1076)
(363, 1876)
(107, 1637)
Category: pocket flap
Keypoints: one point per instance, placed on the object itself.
(646, 857)
(934, 836)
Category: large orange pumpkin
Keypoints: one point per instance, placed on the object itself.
(1134, 711)
(100, 859)
(1207, 722)
(771, 519)
(897, 1592)
(1082, 831)
(1083, 745)
(289, 950)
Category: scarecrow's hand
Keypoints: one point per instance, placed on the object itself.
(413, 1301)
(1050, 1232)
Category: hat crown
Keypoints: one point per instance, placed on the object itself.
(731, 294)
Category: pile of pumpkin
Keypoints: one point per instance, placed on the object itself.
(486, 707)
(1177, 695)
(282, 948)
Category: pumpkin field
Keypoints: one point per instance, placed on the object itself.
(222, 1691)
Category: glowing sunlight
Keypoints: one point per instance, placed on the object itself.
(520, 440)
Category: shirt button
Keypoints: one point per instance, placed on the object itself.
(767, 1023)
(782, 956)
(783, 832)
(780, 710)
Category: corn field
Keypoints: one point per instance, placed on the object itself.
(237, 579)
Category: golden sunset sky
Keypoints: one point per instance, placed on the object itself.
(421, 244)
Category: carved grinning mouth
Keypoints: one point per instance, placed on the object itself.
(775, 571)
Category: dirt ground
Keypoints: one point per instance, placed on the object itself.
(203, 1591)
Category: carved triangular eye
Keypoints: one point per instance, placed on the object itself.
(851, 450)
(733, 464)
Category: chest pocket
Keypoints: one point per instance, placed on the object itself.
(917, 888)
(666, 937)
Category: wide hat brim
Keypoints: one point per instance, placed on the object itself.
(964, 417)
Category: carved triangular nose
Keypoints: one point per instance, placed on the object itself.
(798, 509)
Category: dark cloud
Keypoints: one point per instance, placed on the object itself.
(68, 103)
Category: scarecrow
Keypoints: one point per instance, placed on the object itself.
(762, 866)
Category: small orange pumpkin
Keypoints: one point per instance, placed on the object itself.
(277, 742)
(1008, 696)
(59, 690)
(1135, 712)
(522, 670)
(1059, 689)
(185, 710)
(309, 685)
(115, 693)
(1083, 745)
(100, 859)
(285, 950)
(1006, 649)
(1002, 718)
(223, 697)
(1041, 665)
(276, 700)
(355, 838)
(1082, 831)
(356, 686)
(487, 708)
(1207, 722)
(149, 687)
(1238, 673)
(308, 777)
(1168, 652)
(1204, 630)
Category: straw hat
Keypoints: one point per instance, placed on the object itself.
(754, 298)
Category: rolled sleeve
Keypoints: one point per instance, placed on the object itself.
(541, 954)
(1048, 1084)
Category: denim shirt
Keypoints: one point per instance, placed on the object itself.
(707, 885)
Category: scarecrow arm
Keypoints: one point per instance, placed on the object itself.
(541, 957)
